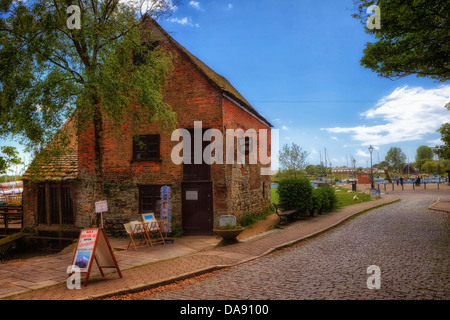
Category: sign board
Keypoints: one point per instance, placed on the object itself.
(101, 206)
(93, 244)
(192, 195)
(227, 219)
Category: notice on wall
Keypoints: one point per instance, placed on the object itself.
(192, 195)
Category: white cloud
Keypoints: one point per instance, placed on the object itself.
(334, 138)
(284, 128)
(196, 5)
(362, 153)
(230, 6)
(186, 21)
(435, 142)
(408, 114)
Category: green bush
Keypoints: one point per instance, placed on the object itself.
(298, 192)
(330, 199)
(248, 220)
(318, 201)
(323, 200)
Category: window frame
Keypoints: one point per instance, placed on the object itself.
(143, 138)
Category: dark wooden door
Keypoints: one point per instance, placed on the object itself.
(197, 208)
(197, 172)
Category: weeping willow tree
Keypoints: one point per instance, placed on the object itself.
(73, 59)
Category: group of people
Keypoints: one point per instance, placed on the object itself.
(416, 181)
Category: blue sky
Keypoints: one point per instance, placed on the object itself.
(298, 63)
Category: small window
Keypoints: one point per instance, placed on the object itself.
(150, 199)
(245, 145)
(146, 147)
(139, 58)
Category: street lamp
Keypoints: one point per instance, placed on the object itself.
(371, 167)
(354, 168)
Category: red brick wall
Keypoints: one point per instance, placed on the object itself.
(250, 191)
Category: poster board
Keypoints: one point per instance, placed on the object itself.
(93, 244)
(100, 207)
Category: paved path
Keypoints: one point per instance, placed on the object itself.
(409, 243)
(159, 265)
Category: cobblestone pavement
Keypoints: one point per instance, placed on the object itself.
(410, 245)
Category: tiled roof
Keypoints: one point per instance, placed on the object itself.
(52, 165)
(53, 168)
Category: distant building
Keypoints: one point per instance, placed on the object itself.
(343, 170)
(410, 169)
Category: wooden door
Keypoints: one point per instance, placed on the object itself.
(197, 208)
(197, 172)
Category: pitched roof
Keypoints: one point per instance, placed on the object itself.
(56, 164)
(214, 78)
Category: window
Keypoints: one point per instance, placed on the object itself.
(249, 142)
(139, 58)
(55, 204)
(150, 199)
(245, 145)
(146, 147)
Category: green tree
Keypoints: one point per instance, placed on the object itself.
(381, 165)
(49, 69)
(413, 38)
(424, 152)
(311, 169)
(395, 159)
(292, 160)
(10, 157)
(431, 166)
(443, 151)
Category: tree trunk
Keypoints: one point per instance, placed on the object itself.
(98, 156)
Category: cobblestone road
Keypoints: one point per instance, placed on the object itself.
(410, 245)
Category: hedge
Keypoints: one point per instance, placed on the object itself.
(298, 192)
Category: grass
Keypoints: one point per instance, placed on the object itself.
(250, 219)
(345, 198)
(275, 198)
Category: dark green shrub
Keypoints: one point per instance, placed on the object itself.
(248, 220)
(298, 192)
(317, 201)
(330, 199)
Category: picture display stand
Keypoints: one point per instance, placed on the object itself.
(166, 211)
(93, 244)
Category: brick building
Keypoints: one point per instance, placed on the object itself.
(62, 196)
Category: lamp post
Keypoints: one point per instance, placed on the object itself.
(354, 168)
(371, 167)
